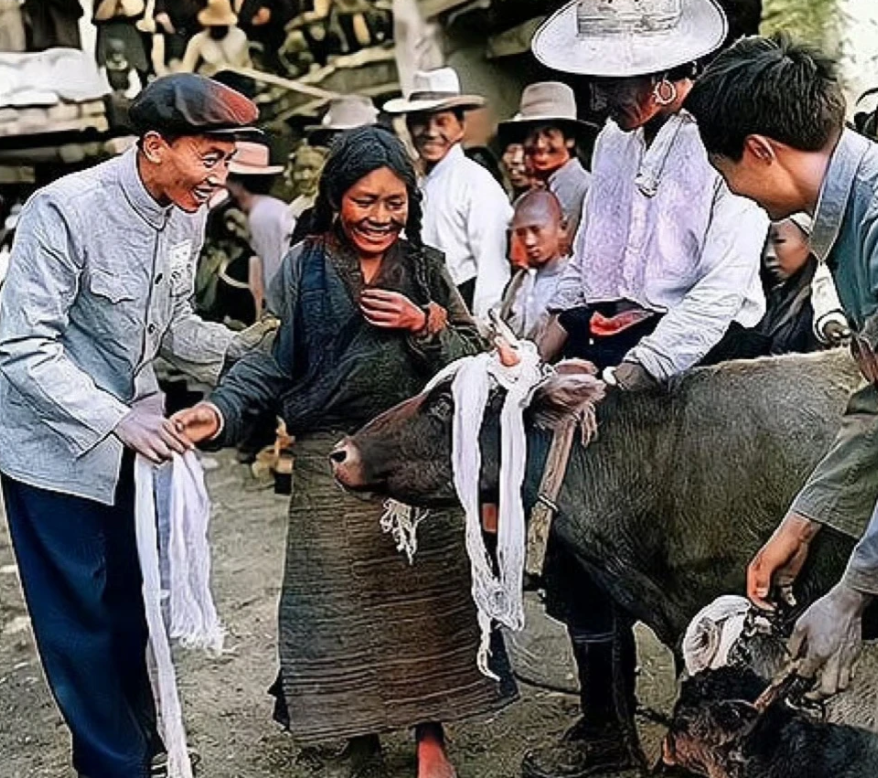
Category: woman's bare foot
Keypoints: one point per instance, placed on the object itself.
(433, 759)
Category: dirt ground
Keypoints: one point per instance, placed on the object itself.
(227, 709)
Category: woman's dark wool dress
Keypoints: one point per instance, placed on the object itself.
(367, 642)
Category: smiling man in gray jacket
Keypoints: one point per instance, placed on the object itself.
(99, 284)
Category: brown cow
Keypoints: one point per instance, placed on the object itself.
(667, 506)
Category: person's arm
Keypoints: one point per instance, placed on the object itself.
(830, 323)
(46, 273)
(158, 55)
(729, 265)
(162, 17)
(862, 569)
(450, 333)
(257, 382)
(192, 55)
(487, 222)
(198, 348)
(256, 282)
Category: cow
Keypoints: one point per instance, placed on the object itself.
(680, 488)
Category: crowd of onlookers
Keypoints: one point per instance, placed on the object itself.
(155, 37)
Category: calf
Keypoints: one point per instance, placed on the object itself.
(718, 732)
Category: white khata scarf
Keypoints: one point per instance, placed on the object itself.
(497, 598)
(172, 514)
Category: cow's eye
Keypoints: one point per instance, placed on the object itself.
(441, 408)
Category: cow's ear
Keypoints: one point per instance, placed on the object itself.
(566, 395)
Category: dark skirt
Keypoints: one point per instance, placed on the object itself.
(367, 642)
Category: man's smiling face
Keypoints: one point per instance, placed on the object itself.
(434, 134)
(192, 168)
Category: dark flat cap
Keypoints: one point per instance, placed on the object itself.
(188, 104)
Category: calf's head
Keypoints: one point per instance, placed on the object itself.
(712, 720)
(405, 453)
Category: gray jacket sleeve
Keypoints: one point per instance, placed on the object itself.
(195, 346)
(44, 279)
(862, 569)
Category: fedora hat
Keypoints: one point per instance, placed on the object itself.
(434, 90)
(545, 103)
(346, 112)
(251, 159)
(218, 13)
(623, 38)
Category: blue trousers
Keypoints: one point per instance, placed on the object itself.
(78, 563)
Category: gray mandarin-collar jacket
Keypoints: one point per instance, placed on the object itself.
(99, 283)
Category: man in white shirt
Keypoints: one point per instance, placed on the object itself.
(270, 220)
(466, 212)
(665, 274)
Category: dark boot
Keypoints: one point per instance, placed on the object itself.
(605, 739)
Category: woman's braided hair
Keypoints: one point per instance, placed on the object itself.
(355, 154)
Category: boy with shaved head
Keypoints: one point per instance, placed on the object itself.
(539, 234)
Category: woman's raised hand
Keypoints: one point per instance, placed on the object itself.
(392, 310)
(199, 423)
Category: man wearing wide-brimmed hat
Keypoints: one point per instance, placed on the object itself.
(270, 220)
(549, 129)
(345, 112)
(665, 275)
(466, 212)
(99, 285)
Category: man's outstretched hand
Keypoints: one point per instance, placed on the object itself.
(146, 431)
(778, 563)
(197, 424)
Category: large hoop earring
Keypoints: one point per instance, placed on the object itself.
(665, 92)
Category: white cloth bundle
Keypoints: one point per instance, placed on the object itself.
(174, 539)
(496, 597)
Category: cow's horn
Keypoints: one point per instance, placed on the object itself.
(501, 328)
(509, 356)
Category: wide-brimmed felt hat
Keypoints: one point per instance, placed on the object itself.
(345, 113)
(252, 159)
(434, 90)
(546, 103)
(218, 13)
(623, 38)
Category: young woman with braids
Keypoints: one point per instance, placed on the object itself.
(367, 642)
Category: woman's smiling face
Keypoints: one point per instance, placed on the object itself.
(374, 211)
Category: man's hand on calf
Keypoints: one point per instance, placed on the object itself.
(630, 377)
(828, 638)
(835, 333)
(778, 563)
